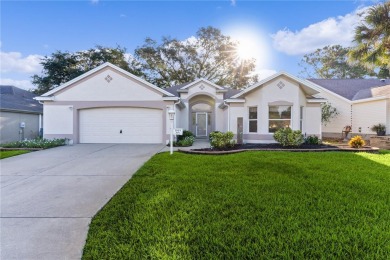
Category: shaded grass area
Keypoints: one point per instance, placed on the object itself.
(6, 154)
(249, 205)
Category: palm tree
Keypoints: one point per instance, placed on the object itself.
(373, 39)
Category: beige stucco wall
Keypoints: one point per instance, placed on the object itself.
(271, 93)
(61, 116)
(312, 120)
(10, 126)
(58, 119)
(194, 94)
(343, 118)
(96, 88)
(367, 114)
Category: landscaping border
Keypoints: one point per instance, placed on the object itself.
(366, 149)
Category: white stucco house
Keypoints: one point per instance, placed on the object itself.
(110, 105)
(361, 103)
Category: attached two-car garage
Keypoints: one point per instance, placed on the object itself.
(120, 125)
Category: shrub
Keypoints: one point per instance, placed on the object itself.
(187, 141)
(221, 141)
(380, 129)
(185, 134)
(36, 143)
(288, 137)
(356, 142)
(312, 139)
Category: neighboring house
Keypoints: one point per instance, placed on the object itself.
(20, 114)
(361, 103)
(110, 105)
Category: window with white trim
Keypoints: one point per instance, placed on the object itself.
(279, 117)
(252, 119)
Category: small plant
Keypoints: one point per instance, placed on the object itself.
(185, 134)
(356, 142)
(221, 141)
(36, 143)
(187, 141)
(288, 137)
(328, 112)
(380, 129)
(312, 139)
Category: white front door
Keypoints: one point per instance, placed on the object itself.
(201, 124)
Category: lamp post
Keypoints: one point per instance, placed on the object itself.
(171, 114)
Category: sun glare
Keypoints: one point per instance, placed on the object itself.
(245, 50)
(251, 44)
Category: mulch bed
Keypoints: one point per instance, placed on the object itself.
(278, 147)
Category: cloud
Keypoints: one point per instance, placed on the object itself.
(14, 62)
(334, 30)
(23, 84)
(233, 2)
(94, 2)
(122, 16)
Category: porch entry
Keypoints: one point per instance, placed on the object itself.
(202, 115)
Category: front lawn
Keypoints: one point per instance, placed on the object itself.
(249, 205)
(6, 154)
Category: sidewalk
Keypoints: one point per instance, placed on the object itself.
(198, 144)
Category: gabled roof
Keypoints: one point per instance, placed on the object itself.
(308, 86)
(351, 89)
(105, 65)
(202, 80)
(173, 90)
(20, 100)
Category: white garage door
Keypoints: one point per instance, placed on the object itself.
(120, 125)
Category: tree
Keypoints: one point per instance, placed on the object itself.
(61, 67)
(372, 37)
(328, 112)
(210, 55)
(331, 62)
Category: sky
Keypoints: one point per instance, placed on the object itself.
(276, 33)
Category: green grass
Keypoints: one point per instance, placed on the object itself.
(6, 154)
(249, 205)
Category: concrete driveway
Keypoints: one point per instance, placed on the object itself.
(49, 197)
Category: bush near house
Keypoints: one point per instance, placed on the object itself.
(36, 143)
(288, 137)
(312, 139)
(221, 141)
(184, 140)
(356, 142)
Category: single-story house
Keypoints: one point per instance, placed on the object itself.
(20, 114)
(110, 105)
(361, 103)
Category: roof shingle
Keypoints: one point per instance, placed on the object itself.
(352, 89)
(16, 99)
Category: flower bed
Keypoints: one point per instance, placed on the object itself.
(278, 147)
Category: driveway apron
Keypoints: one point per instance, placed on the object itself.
(49, 197)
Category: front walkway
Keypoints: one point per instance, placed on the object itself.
(198, 144)
(49, 197)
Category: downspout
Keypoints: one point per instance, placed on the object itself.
(228, 106)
